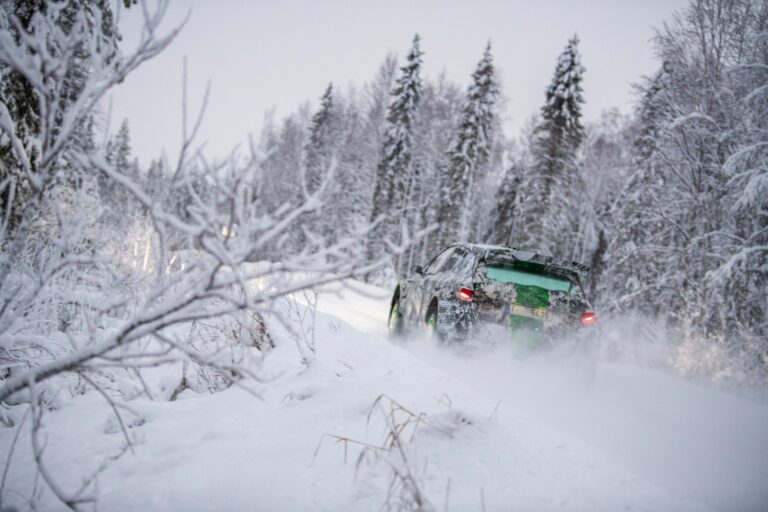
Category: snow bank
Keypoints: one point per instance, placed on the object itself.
(479, 431)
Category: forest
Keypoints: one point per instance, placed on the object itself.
(667, 205)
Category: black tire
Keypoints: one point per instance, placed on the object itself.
(395, 320)
(431, 323)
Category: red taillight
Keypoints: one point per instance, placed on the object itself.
(588, 318)
(466, 294)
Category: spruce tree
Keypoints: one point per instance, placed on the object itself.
(468, 152)
(124, 161)
(119, 202)
(643, 192)
(319, 147)
(651, 112)
(122, 149)
(551, 193)
(503, 215)
(17, 94)
(394, 173)
(156, 181)
(561, 129)
(318, 152)
(439, 115)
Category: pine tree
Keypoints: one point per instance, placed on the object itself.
(122, 156)
(690, 241)
(157, 182)
(550, 194)
(319, 147)
(605, 161)
(468, 153)
(318, 154)
(439, 116)
(118, 201)
(561, 126)
(377, 95)
(650, 116)
(17, 94)
(633, 230)
(503, 214)
(348, 204)
(395, 174)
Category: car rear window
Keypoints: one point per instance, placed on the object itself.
(516, 276)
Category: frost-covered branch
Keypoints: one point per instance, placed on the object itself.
(100, 275)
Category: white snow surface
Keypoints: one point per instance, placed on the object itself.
(499, 433)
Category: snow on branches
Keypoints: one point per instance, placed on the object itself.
(87, 300)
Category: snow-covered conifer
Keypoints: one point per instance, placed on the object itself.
(503, 214)
(469, 152)
(122, 149)
(689, 239)
(17, 94)
(551, 193)
(319, 146)
(394, 173)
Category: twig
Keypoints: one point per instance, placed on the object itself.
(10, 455)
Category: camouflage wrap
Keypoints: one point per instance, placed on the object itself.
(457, 318)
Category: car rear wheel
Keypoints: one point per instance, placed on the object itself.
(433, 332)
(395, 323)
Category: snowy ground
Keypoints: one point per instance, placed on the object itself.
(499, 433)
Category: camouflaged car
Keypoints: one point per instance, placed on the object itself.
(469, 286)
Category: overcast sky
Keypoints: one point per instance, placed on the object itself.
(262, 55)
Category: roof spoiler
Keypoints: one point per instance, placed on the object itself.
(547, 261)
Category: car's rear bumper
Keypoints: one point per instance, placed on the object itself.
(464, 319)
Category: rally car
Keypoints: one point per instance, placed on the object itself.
(470, 286)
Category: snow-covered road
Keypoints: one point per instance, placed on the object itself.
(500, 433)
(688, 438)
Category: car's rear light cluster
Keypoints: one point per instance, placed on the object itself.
(466, 294)
(588, 318)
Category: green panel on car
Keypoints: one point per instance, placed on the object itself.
(519, 277)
